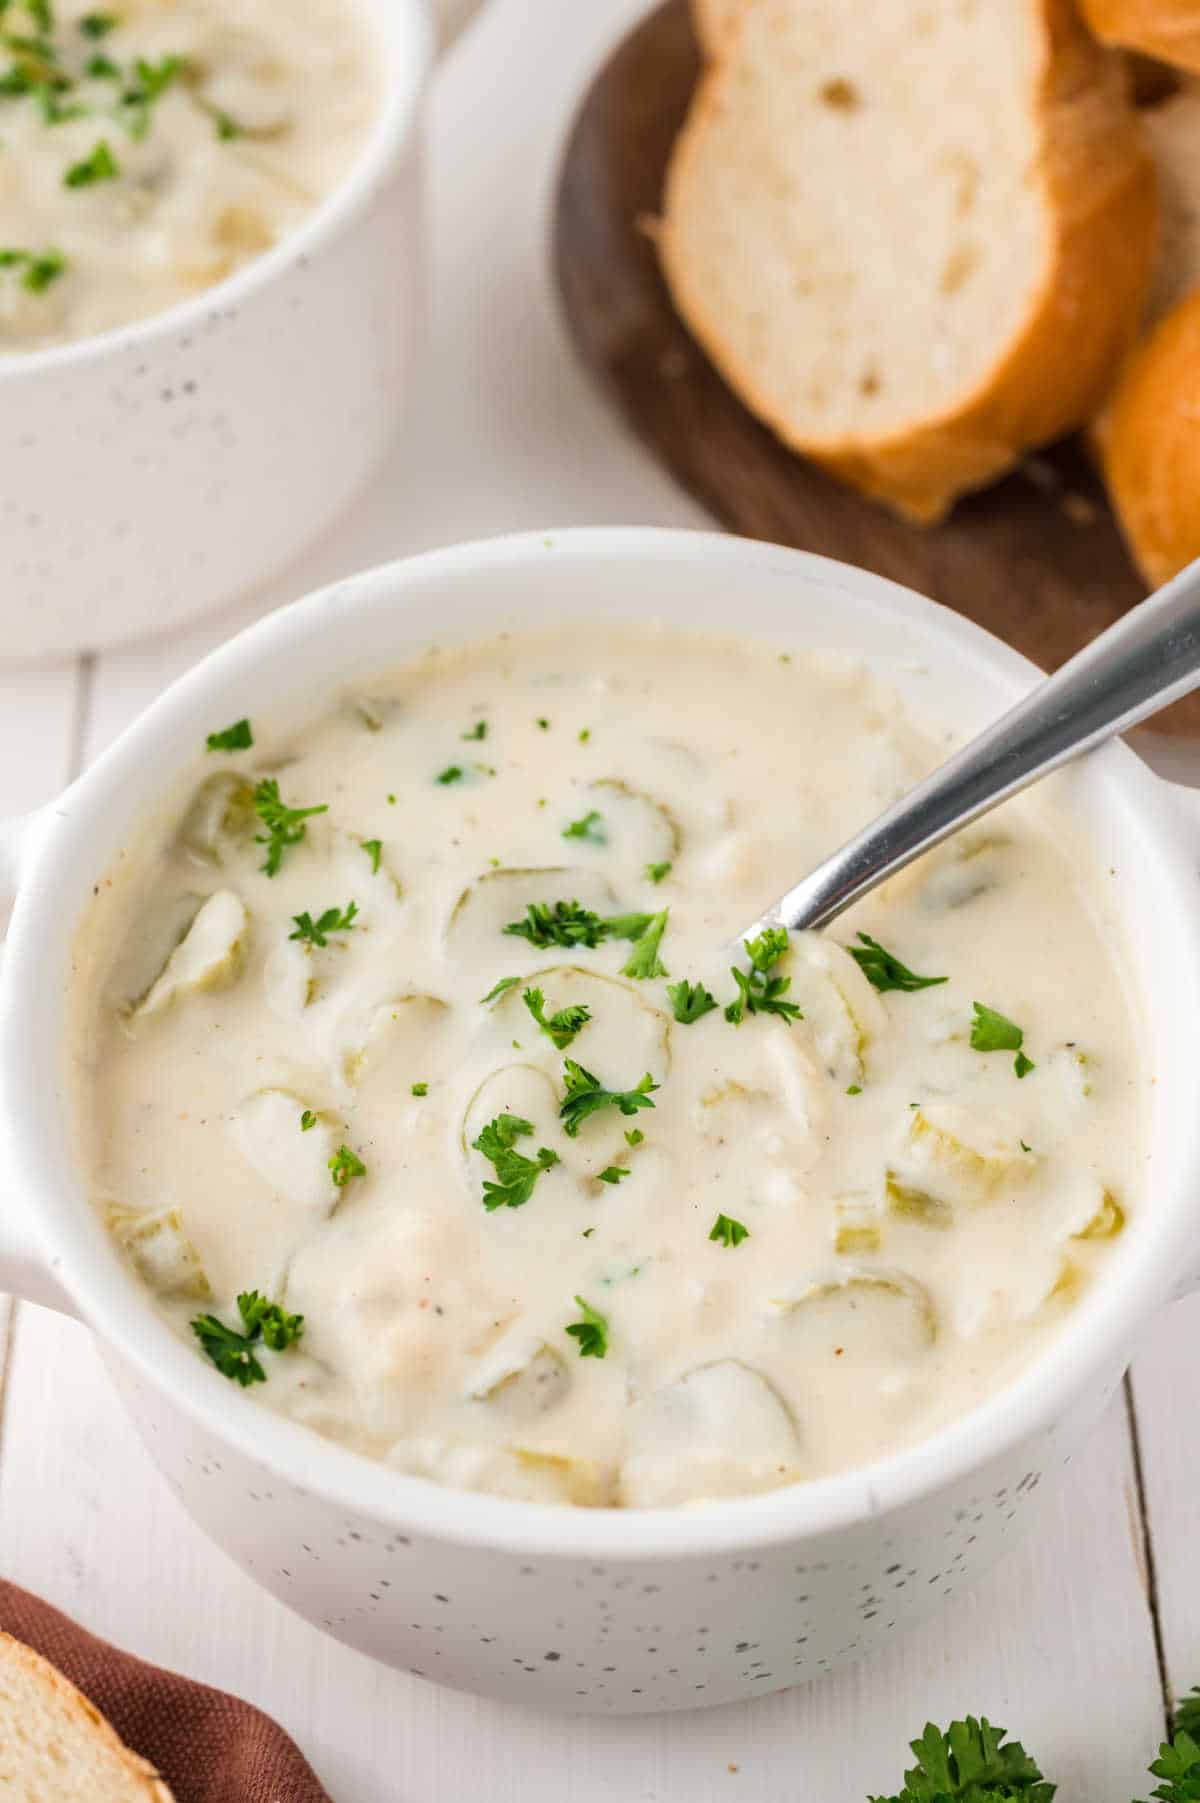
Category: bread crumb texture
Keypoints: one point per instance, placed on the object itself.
(915, 236)
(55, 1746)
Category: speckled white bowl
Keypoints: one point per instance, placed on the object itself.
(597, 1610)
(156, 470)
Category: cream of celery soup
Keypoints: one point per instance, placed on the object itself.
(148, 148)
(419, 1086)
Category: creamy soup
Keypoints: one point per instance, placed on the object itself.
(417, 1029)
(151, 147)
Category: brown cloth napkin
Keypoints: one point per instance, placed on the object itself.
(209, 1747)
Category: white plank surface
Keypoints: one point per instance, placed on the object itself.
(1059, 1644)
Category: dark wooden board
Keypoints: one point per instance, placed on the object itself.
(1037, 559)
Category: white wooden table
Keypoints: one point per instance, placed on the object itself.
(1073, 1643)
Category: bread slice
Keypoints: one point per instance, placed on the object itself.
(55, 1747)
(1173, 127)
(1169, 29)
(713, 21)
(914, 235)
(1149, 442)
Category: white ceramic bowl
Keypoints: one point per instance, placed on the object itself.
(158, 469)
(595, 1610)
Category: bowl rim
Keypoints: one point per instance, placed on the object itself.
(1088, 1350)
(403, 31)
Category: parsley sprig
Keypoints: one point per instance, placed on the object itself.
(644, 961)
(585, 1095)
(345, 1165)
(728, 1232)
(758, 991)
(232, 1351)
(516, 1175)
(100, 166)
(38, 269)
(885, 971)
(285, 826)
(690, 1001)
(568, 924)
(563, 1026)
(589, 827)
(992, 1032)
(333, 920)
(591, 1332)
(971, 1763)
(238, 737)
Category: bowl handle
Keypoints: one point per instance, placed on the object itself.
(25, 1265)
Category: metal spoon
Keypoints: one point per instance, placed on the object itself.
(1147, 660)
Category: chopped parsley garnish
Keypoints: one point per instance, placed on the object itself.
(498, 989)
(590, 828)
(420, 1089)
(566, 923)
(691, 1001)
(992, 1032)
(101, 68)
(98, 25)
(516, 1175)
(585, 1095)
(100, 166)
(451, 774)
(561, 1027)
(591, 1332)
(346, 1164)
(758, 991)
(148, 84)
(884, 970)
(544, 724)
(38, 268)
(585, 734)
(656, 872)
(644, 960)
(334, 920)
(237, 737)
(612, 1173)
(727, 1232)
(232, 1352)
(855, 1089)
(224, 124)
(478, 731)
(285, 826)
(307, 1120)
(374, 850)
(634, 1137)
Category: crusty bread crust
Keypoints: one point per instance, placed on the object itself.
(1167, 29)
(1100, 193)
(712, 21)
(139, 1777)
(1149, 442)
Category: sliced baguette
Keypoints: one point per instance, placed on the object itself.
(1148, 435)
(1173, 127)
(55, 1746)
(914, 235)
(712, 21)
(1149, 442)
(1168, 29)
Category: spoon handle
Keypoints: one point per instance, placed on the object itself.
(1148, 659)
